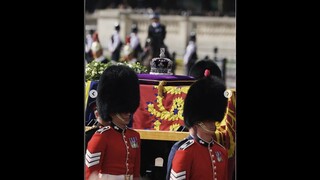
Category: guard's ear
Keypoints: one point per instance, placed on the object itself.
(96, 114)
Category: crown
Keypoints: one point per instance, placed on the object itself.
(161, 65)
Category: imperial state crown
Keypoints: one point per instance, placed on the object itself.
(161, 65)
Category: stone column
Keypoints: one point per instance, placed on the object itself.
(185, 29)
(125, 24)
(105, 25)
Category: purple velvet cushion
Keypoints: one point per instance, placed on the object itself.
(165, 77)
(170, 79)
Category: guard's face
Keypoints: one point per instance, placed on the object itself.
(208, 127)
(121, 118)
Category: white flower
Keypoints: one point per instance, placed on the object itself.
(95, 69)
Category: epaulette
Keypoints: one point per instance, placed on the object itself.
(88, 128)
(186, 144)
(103, 129)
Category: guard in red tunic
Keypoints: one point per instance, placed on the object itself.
(113, 153)
(202, 157)
(226, 130)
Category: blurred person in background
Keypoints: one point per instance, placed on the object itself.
(97, 53)
(115, 44)
(88, 43)
(134, 41)
(128, 55)
(157, 33)
(190, 57)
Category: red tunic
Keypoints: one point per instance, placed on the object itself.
(114, 151)
(197, 159)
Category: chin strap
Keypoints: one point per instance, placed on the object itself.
(204, 127)
(119, 116)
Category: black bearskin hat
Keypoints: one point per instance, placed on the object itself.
(118, 91)
(205, 101)
(197, 70)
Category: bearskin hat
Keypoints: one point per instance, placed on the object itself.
(205, 101)
(197, 70)
(118, 91)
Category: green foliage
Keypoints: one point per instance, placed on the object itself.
(94, 69)
(137, 67)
